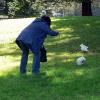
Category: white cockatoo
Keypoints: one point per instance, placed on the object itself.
(84, 48)
(80, 60)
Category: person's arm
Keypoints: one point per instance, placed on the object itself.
(48, 30)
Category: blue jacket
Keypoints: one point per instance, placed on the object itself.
(35, 33)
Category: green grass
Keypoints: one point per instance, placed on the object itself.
(64, 80)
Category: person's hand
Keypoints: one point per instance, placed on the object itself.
(57, 32)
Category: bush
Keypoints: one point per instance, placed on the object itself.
(19, 8)
(14, 7)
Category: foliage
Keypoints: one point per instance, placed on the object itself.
(24, 7)
(34, 7)
(14, 7)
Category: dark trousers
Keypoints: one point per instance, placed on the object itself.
(24, 59)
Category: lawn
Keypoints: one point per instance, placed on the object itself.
(64, 80)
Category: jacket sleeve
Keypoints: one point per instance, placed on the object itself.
(48, 30)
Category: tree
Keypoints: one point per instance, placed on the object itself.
(86, 8)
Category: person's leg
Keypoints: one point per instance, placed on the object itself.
(36, 63)
(24, 60)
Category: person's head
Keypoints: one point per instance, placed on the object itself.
(47, 19)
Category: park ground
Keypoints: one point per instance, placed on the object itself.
(63, 79)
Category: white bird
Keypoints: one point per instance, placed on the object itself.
(84, 48)
(80, 60)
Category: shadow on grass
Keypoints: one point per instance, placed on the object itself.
(79, 30)
(58, 83)
(85, 30)
(62, 80)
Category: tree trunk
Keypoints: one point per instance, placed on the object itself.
(86, 8)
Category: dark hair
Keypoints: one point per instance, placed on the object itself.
(47, 19)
